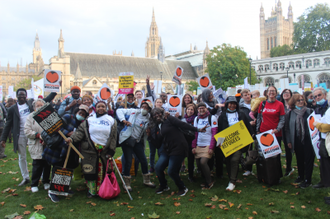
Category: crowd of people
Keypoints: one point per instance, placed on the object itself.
(97, 128)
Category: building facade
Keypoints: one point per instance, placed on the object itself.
(276, 30)
(153, 41)
(314, 66)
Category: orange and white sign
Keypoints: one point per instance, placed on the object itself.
(205, 82)
(104, 93)
(174, 104)
(313, 132)
(268, 144)
(52, 80)
(178, 75)
(146, 99)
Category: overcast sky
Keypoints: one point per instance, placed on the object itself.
(101, 27)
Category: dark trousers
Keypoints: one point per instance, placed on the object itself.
(219, 158)
(40, 167)
(288, 153)
(138, 149)
(324, 166)
(305, 159)
(191, 161)
(174, 164)
(2, 150)
(248, 167)
(232, 164)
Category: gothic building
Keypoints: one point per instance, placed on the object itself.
(153, 41)
(276, 30)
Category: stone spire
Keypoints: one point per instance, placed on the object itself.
(132, 53)
(37, 43)
(153, 40)
(290, 13)
(61, 45)
(78, 73)
(78, 79)
(161, 52)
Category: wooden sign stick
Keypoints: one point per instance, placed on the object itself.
(125, 101)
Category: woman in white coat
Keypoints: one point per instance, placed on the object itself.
(40, 166)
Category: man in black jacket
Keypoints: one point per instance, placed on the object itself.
(3, 115)
(16, 118)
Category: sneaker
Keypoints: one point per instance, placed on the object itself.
(209, 186)
(53, 197)
(162, 189)
(247, 173)
(4, 156)
(46, 186)
(24, 182)
(299, 180)
(305, 185)
(183, 192)
(151, 170)
(230, 187)
(34, 189)
(183, 168)
(318, 186)
(289, 172)
(203, 184)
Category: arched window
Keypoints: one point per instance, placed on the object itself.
(269, 81)
(282, 66)
(327, 61)
(308, 63)
(307, 79)
(275, 67)
(266, 68)
(260, 67)
(298, 64)
(316, 62)
(324, 78)
(291, 65)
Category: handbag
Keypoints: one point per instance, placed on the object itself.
(252, 156)
(130, 142)
(51, 141)
(109, 188)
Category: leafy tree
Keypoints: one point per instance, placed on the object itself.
(26, 83)
(312, 31)
(281, 51)
(228, 66)
(192, 85)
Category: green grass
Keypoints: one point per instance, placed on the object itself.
(192, 205)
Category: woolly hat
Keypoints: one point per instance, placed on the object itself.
(75, 88)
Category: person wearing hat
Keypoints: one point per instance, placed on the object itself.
(133, 138)
(97, 136)
(131, 104)
(71, 103)
(230, 116)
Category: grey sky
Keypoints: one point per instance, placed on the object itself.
(104, 26)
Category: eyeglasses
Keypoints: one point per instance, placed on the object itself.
(163, 95)
(287, 92)
(300, 100)
(317, 96)
(272, 91)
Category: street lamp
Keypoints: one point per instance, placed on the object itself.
(161, 76)
(250, 60)
(287, 72)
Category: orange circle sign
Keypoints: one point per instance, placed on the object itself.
(174, 101)
(310, 123)
(179, 71)
(267, 139)
(52, 76)
(204, 81)
(105, 93)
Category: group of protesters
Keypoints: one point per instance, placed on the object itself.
(97, 128)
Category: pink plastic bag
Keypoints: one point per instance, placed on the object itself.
(109, 188)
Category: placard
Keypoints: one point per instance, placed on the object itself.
(313, 132)
(38, 88)
(61, 180)
(174, 104)
(52, 80)
(177, 75)
(220, 95)
(268, 144)
(103, 94)
(236, 137)
(205, 82)
(48, 119)
(146, 99)
(126, 83)
(11, 92)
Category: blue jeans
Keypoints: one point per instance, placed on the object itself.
(174, 164)
(138, 149)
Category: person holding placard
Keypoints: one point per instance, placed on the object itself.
(98, 135)
(298, 139)
(69, 104)
(230, 116)
(211, 103)
(271, 116)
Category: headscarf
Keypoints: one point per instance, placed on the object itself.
(205, 97)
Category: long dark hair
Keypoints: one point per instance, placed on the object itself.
(282, 99)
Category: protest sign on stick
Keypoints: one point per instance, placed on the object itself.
(146, 99)
(126, 84)
(268, 144)
(52, 80)
(205, 82)
(177, 75)
(103, 94)
(236, 137)
(313, 132)
(174, 104)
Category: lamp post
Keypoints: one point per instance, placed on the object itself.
(287, 72)
(161, 76)
(294, 77)
(250, 60)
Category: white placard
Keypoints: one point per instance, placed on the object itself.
(103, 94)
(38, 88)
(268, 144)
(11, 91)
(205, 82)
(145, 99)
(174, 104)
(52, 80)
(177, 75)
(158, 87)
(220, 95)
(314, 133)
(246, 83)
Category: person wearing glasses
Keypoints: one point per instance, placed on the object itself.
(310, 99)
(298, 139)
(285, 98)
(320, 94)
(271, 117)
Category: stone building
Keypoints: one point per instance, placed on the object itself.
(276, 30)
(153, 41)
(314, 66)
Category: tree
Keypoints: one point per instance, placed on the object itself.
(192, 85)
(281, 51)
(228, 66)
(26, 83)
(312, 31)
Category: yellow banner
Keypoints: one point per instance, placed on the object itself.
(126, 81)
(236, 137)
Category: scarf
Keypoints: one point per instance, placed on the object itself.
(300, 122)
(205, 97)
(204, 115)
(190, 119)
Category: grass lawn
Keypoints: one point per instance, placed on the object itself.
(251, 199)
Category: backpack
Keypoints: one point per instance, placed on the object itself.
(209, 119)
